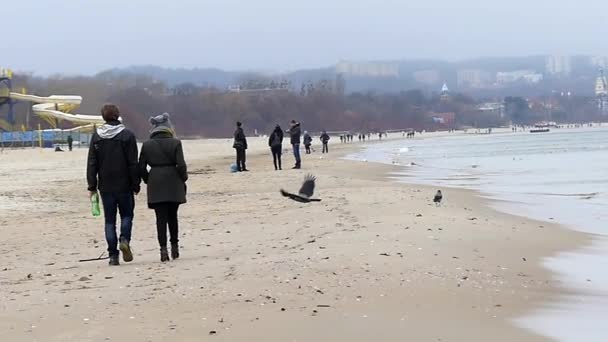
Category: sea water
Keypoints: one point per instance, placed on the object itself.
(560, 176)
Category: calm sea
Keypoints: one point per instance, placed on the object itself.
(561, 176)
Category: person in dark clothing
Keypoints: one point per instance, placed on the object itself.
(166, 181)
(275, 141)
(325, 140)
(240, 145)
(70, 142)
(112, 169)
(295, 132)
(307, 142)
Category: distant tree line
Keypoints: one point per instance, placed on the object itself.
(204, 111)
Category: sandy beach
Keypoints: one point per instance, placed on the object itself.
(375, 260)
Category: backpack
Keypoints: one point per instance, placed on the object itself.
(275, 140)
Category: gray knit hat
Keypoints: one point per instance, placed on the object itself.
(161, 123)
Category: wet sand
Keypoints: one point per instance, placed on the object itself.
(375, 260)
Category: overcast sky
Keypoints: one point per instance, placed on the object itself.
(73, 36)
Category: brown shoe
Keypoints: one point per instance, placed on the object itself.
(125, 248)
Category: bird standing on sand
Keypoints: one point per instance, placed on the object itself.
(438, 198)
(306, 191)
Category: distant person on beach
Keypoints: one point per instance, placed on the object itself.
(325, 140)
(166, 181)
(70, 142)
(240, 145)
(275, 141)
(112, 170)
(307, 141)
(295, 132)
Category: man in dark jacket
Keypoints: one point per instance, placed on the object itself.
(70, 142)
(240, 145)
(112, 169)
(295, 132)
(325, 141)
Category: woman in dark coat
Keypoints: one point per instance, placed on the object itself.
(166, 180)
(307, 141)
(275, 141)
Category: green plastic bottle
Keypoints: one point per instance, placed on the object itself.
(95, 210)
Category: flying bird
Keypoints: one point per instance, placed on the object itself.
(306, 191)
(438, 198)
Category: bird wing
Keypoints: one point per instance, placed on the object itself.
(294, 197)
(308, 187)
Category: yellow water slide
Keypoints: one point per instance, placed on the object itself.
(58, 107)
(54, 107)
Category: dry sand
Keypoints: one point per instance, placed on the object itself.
(375, 260)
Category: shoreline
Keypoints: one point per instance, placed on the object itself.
(359, 265)
(576, 269)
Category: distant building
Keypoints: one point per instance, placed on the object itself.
(533, 78)
(445, 92)
(559, 65)
(601, 93)
(370, 69)
(599, 61)
(474, 78)
(528, 76)
(444, 119)
(260, 86)
(429, 77)
(497, 108)
(339, 84)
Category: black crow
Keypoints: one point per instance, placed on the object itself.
(438, 198)
(305, 193)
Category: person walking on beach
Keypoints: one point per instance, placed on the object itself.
(240, 145)
(70, 142)
(275, 141)
(166, 181)
(325, 140)
(112, 170)
(307, 141)
(295, 132)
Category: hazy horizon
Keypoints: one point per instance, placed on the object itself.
(56, 36)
